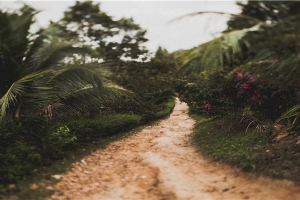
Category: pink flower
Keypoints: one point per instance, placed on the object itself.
(245, 86)
(207, 107)
(239, 74)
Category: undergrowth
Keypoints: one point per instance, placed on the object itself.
(67, 143)
(250, 151)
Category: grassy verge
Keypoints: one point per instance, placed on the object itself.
(167, 111)
(249, 150)
(92, 134)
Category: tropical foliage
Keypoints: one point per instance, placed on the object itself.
(43, 73)
(253, 66)
(243, 90)
(56, 89)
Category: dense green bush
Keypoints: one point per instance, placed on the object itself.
(235, 94)
(26, 145)
(213, 90)
(87, 130)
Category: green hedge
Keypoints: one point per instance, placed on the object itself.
(25, 146)
(89, 129)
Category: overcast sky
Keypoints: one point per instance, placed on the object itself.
(151, 15)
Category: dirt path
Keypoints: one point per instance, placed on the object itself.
(159, 163)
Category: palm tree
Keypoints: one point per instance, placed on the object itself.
(45, 74)
(272, 21)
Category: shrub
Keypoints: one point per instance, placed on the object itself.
(233, 93)
(26, 145)
(88, 130)
(214, 90)
(57, 141)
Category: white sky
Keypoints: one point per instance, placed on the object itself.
(151, 15)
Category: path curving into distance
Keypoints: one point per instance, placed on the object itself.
(161, 163)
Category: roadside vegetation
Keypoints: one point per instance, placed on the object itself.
(243, 90)
(249, 151)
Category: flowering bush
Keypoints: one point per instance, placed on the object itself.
(221, 95)
(211, 94)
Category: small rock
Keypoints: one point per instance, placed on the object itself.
(57, 176)
(49, 188)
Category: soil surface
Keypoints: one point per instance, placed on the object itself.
(161, 162)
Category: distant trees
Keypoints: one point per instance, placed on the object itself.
(113, 39)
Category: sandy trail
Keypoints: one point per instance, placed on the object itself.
(160, 162)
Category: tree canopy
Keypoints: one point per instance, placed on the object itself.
(113, 39)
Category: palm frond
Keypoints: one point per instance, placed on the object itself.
(51, 54)
(246, 17)
(284, 71)
(81, 87)
(216, 54)
(14, 32)
(27, 86)
(266, 66)
(292, 113)
(71, 78)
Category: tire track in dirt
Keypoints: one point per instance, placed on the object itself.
(161, 162)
